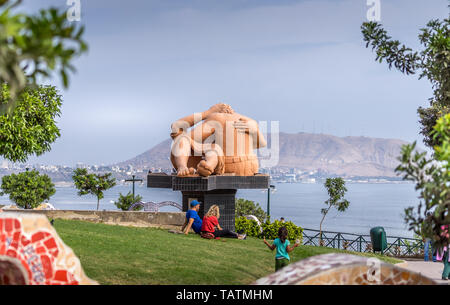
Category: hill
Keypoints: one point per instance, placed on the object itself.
(343, 156)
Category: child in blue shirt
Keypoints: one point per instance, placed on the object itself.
(283, 247)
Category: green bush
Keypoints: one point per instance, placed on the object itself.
(249, 226)
(126, 201)
(247, 207)
(269, 229)
(27, 189)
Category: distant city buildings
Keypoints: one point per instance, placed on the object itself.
(62, 175)
(295, 175)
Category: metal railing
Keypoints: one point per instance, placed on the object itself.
(154, 206)
(396, 246)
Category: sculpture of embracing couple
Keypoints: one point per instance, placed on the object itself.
(224, 142)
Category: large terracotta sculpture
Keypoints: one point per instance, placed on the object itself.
(223, 142)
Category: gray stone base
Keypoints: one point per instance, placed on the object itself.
(215, 189)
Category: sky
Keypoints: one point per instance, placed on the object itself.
(302, 63)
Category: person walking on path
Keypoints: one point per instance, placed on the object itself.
(443, 254)
(283, 247)
(426, 247)
(192, 219)
(211, 228)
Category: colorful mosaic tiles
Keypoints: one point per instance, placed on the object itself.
(31, 252)
(343, 269)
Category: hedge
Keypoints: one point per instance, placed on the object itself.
(268, 229)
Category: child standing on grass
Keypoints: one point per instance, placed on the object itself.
(283, 247)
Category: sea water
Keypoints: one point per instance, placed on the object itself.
(371, 204)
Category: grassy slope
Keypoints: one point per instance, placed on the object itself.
(127, 255)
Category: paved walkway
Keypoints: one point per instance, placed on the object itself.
(429, 269)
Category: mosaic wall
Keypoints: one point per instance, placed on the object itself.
(343, 269)
(31, 252)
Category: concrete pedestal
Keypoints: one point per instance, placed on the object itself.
(217, 189)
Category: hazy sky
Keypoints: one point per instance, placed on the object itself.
(302, 63)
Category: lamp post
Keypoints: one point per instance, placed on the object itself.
(268, 198)
(133, 180)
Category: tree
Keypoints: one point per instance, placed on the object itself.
(28, 189)
(336, 191)
(33, 47)
(94, 184)
(247, 207)
(31, 127)
(125, 202)
(432, 179)
(433, 62)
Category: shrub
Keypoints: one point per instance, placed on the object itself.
(248, 207)
(269, 229)
(249, 226)
(126, 201)
(28, 189)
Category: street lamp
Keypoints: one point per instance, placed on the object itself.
(268, 198)
(133, 180)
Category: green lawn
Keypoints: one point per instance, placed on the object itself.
(113, 254)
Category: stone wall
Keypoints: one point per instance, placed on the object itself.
(139, 219)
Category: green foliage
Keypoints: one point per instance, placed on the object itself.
(94, 184)
(336, 191)
(125, 202)
(249, 226)
(32, 47)
(402, 57)
(247, 207)
(432, 179)
(31, 127)
(433, 62)
(268, 229)
(442, 152)
(27, 189)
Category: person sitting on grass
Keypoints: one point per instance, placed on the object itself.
(211, 228)
(283, 247)
(192, 219)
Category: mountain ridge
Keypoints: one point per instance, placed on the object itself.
(344, 156)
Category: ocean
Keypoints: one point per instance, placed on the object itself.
(371, 204)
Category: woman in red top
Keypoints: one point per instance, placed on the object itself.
(210, 224)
